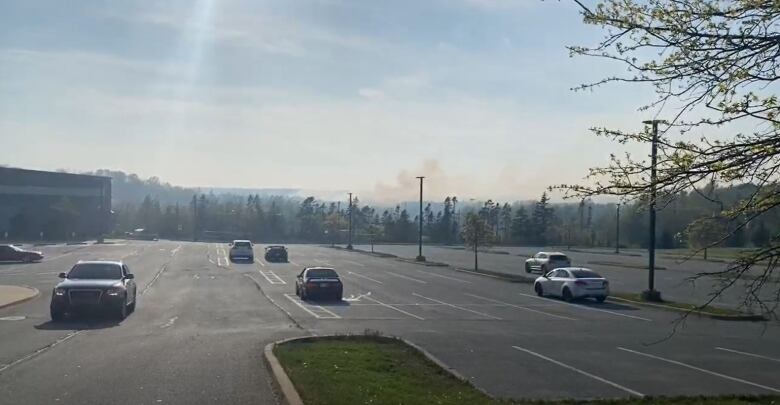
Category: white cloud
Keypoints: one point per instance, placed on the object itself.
(371, 93)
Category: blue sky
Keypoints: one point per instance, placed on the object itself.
(320, 94)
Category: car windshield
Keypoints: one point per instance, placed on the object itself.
(582, 273)
(558, 258)
(103, 271)
(321, 273)
(242, 245)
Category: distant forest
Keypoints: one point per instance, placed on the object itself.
(688, 220)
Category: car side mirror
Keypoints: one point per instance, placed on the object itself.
(63, 275)
(130, 276)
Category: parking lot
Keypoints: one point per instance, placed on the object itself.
(199, 311)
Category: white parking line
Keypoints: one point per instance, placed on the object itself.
(260, 263)
(394, 308)
(585, 373)
(355, 263)
(587, 307)
(297, 302)
(406, 277)
(294, 264)
(442, 276)
(700, 369)
(458, 307)
(271, 277)
(323, 262)
(365, 277)
(521, 307)
(758, 356)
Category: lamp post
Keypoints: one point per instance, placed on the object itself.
(420, 257)
(349, 245)
(651, 294)
(617, 230)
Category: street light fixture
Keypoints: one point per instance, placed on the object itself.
(651, 294)
(420, 257)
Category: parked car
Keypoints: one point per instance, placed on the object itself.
(241, 249)
(546, 261)
(107, 285)
(276, 253)
(322, 282)
(11, 253)
(572, 283)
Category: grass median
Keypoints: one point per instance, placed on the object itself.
(377, 370)
(709, 309)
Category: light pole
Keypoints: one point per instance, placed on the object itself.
(651, 294)
(349, 245)
(420, 257)
(617, 230)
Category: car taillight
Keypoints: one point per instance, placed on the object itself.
(311, 285)
(580, 283)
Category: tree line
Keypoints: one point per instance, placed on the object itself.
(689, 220)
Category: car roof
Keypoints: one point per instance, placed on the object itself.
(275, 247)
(114, 262)
(241, 240)
(319, 268)
(553, 253)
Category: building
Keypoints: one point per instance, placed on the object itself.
(53, 206)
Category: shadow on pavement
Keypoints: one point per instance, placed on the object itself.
(80, 322)
(606, 305)
(328, 303)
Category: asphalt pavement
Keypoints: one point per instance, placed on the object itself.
(201, 322)
(676, 279)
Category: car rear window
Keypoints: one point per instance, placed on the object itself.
(102, 271)
(558, 258)
(242, 244)
(585, 274)
(321, 273)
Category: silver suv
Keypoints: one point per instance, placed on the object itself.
(546, 261)
(242, 249)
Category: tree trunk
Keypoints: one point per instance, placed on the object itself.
(705, 253)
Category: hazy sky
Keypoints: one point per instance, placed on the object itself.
(320, 94)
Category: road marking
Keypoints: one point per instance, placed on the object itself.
(260, 263)
(297, 302)
(365, 277)
(294, 264)
(272, 277)
(587, 307)
(323, 262)
(748, 354)
(458, 307)
(13, 318)
(174, 251)
(585, 373)
(407, 277)
(700, 369)
(442, 276)
(355, 263)
(394, 308)
(521, 307)
(169, 323)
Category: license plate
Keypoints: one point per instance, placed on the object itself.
(324, 285)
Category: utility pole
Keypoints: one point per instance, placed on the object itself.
(420, 257)
(617, 230)
(651, 294)
(349, 245)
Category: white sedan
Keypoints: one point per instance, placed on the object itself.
(571, 283)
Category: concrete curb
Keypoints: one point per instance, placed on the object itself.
(746, 317)
(425, 263)
(628, 266)
(35, 294)
(290, 396)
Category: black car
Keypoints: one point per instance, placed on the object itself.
(276, 253)
(11, 253)
(319, 282)
(91, 285)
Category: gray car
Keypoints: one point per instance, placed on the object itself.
(543, 262)
(89, 285)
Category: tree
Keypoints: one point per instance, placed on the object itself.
(476, 233)
(541, 219)
(760, 237)
(705, 233)
(520, 226)
(714, 62)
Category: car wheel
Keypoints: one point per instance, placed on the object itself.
(303, 294)
(56, 315)
(297, 290)
(567, 294)
(527, 268)
(121, 311)
(539, 290)
(543, 269)
(601, 299)
(131, 307)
